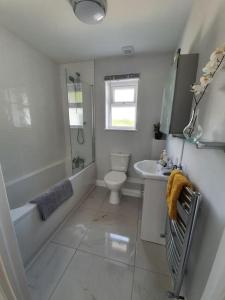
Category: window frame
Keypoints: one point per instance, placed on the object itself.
(110, 102)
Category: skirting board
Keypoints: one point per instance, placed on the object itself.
(125, 191)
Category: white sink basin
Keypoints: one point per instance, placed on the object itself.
(150, 169)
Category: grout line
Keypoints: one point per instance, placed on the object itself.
(153, 272)
(50, 240)
(39, 253)
(81, 240)
(135, 253)
(142, 268)
(64, 245)
(106, 258)
(76, 249)
(62, 275)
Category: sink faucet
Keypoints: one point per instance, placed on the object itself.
(179, 167)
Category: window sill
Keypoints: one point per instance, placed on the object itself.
(120, 129)
(76, 126)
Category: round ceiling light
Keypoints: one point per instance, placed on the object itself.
(89, 11)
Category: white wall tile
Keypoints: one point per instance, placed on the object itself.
(31, 118)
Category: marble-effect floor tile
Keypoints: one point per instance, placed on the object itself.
(90, 277)
(75, 228)
(115, 220)
(45, 272)
(150, 286)
(128, 206)
(95, 200)
(114, 244)
(109, 249)
(151, 257)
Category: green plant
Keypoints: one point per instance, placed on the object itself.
(156, 128)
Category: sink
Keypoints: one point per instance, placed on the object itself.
(150, 169)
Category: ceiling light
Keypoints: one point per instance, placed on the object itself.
(89, 11)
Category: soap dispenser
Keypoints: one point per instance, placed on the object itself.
(163, 158)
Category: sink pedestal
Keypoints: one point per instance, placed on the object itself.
(154, 211)
(154, 203)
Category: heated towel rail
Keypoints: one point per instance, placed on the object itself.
(178, 235)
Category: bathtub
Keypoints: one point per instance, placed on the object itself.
(32, 233)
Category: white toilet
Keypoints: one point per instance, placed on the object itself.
(116, 178)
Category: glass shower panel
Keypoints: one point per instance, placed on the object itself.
(80, 106)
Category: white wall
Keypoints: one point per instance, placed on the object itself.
(153, 71)
(204, 32)
(31, 125)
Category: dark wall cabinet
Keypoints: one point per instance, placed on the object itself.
(177, 97)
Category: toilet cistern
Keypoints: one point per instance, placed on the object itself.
(117, 176)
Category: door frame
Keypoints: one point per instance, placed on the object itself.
(215, 287)
(9, 249)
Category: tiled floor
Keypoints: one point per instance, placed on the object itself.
(98, 255)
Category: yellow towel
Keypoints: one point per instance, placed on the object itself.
(177, 181)
(170, 181)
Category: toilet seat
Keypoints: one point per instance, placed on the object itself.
(115, 177)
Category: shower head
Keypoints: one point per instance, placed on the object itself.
(71, 79)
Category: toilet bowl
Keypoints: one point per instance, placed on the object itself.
(114, 181)
(117, 177)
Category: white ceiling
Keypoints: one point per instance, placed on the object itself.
(50, 26)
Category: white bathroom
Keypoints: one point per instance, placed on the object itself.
(112, 150)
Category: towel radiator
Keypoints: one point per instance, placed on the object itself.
(178, 235)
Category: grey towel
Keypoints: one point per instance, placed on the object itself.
(50, 200)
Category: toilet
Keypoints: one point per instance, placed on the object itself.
(117, 177)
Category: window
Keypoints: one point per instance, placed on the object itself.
(121, 103)
(75, 100)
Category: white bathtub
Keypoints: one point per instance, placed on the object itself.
(32, 232)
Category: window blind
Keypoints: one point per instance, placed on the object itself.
(121, 76)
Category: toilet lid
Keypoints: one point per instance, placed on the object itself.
(115, 177)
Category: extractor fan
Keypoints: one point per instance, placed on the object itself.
(89, 11)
